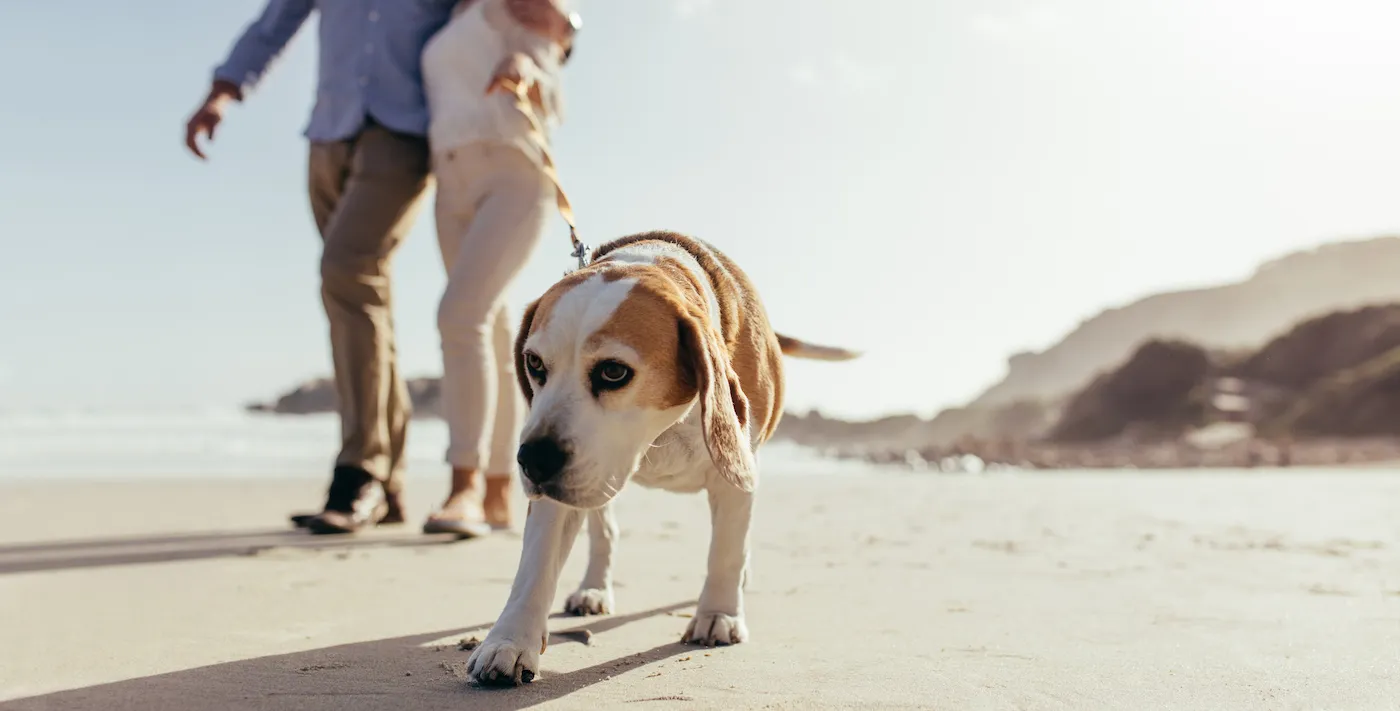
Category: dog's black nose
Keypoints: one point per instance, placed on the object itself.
(542, 459)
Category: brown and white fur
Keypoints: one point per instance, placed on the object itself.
(655, 363)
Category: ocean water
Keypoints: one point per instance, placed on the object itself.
(230, 443)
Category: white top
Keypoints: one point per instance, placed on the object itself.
(457, 65)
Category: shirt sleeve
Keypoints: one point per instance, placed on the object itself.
(262, 41)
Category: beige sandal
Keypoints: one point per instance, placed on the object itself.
(438, 523)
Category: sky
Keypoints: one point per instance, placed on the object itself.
(938, 183)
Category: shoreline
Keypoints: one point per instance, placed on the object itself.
(1177, 455)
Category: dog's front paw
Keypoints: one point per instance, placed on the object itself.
(590, 601)
(715, 628)
(506, 660)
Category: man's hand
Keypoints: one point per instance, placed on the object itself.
(542, 17)
(206, 119)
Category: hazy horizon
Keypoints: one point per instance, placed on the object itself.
(938, 184)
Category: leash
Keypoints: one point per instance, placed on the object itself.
(521, 91)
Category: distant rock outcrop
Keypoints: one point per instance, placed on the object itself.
(1322, 347)
(318, 395)
(1159, 393)
(1341, 373)
(1359, 402)
(816, 429)
(1343, 275)
(1334, 376)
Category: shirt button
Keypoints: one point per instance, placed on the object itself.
(369, 48)
(374, 16)
(364, 81)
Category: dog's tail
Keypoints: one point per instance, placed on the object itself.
(796, 348)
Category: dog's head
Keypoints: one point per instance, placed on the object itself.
(609, 359)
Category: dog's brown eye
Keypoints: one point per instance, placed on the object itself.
(610, 375)
(535, 366)
(613, 372)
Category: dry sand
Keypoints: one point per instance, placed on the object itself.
(1075, 591)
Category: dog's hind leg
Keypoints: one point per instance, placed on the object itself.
(719, 616)
(511, 652)
(595, 594)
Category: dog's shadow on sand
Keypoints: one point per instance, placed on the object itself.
(400, 673)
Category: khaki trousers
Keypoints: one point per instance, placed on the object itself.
(492, 204)
(365, 193)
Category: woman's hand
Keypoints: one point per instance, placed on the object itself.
(510, 74)
(542, 17)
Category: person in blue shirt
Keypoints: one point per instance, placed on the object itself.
(368, 171)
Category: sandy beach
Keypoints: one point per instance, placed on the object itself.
(1207, 590)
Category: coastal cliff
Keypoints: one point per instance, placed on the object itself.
(1243, 315)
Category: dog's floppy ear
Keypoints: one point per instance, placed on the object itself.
(724, 411)
(522, 374)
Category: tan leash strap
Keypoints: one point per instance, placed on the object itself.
(521, 91)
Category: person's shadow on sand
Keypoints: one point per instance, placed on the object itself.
(164, 548)
(398, 673)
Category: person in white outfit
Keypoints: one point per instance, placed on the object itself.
(493, 199)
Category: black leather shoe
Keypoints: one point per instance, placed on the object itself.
(355, 500)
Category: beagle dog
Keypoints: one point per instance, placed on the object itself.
(654, 363)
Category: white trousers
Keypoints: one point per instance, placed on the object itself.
(492, 203)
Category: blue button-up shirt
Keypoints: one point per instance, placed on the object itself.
(369, 60)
